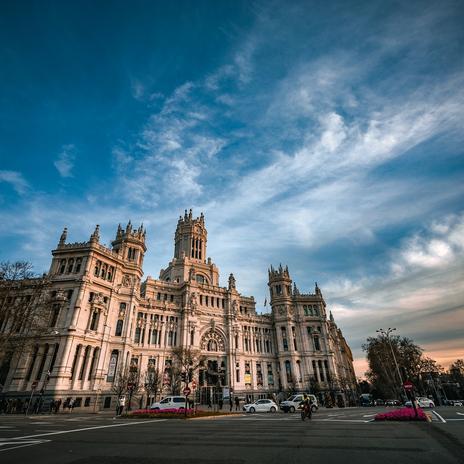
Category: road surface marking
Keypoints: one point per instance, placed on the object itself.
(438, 415)
(369, 415)
(460, 413)
(20, 443)
(342, 420)
(89, 428)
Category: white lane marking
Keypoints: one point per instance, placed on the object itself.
(342, 420)
(455, 420)
(438, 415)
(460, 413)
(20, 443)
(369, 415)
(89, 428)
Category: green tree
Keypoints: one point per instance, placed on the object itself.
(383, 374)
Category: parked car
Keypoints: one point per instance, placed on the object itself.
(170, 402)
(422, 402)
(366, 400)
(454, 403)
(292, 403)
(261, 406)
(379, 402)
(392, 403)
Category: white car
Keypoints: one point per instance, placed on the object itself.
(292, 403)
(261, 406)
(422, 402)
(170, 402)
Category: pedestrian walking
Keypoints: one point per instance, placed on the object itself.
(231, 404)
(71, 405)
(121, 404)
(57, 405)
(237, 403)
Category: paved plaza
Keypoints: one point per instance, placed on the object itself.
(333, 435)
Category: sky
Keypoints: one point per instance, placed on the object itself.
(326, 136)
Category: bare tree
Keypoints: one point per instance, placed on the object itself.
(153, 382)
(126, 383)
(186, 361)
(25, 310)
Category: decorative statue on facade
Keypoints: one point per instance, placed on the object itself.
(231, 282)
(192, 274)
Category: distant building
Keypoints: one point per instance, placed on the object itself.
(103, 318)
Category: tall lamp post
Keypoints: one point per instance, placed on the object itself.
(386, 334)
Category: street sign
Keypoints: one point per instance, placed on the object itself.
(187, 391)
(408, 385)
(194, 385)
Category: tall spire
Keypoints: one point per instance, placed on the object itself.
(95, 237)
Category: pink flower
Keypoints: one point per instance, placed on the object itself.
(403, 414)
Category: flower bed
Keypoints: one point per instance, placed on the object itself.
(161, 411)
(403, 414)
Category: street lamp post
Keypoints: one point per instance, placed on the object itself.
(386, 334)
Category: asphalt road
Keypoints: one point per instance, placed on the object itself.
(332, 436)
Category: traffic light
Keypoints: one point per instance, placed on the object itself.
(190, 375)
(183, 376)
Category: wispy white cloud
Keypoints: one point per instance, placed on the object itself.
(16, 180)
(65, 161)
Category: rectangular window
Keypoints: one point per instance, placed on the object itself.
(119, 326)
(138, 332)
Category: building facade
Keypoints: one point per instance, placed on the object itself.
(104, 318)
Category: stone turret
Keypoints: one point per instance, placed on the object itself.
(130, 242)
(190, 237)
(280, 283)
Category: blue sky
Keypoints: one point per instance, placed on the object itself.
(324, 135)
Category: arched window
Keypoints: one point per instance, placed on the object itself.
(103, 271)
(200, 279)
(70, 265)
(94, 321)
(76, 358)
(93, 363)
(288, 371)
(78, 265)
(192, 336)
(96, 271)
(62, 266)
(55, 313)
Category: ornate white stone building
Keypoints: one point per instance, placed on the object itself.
(104, 317)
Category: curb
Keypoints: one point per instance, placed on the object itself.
(229, 416)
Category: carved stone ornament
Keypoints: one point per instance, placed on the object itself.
(212, 339)
(126, 280)
(281, 310)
